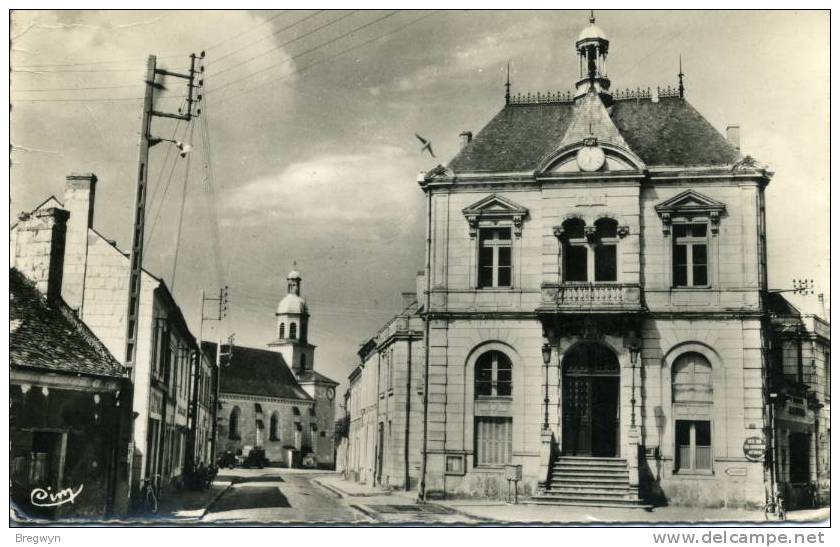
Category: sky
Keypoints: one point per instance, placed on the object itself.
(304, 155)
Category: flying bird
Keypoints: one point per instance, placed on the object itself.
(427, 145)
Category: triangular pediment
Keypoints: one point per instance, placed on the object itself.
(494, 205)
(690, 200)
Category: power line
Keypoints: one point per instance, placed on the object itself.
(329, 58)
(275, 48)
(210, 195)
(181, 213)
(41, 90)
(251, 29)
(99, 62)
(276, 32)
(310, 50)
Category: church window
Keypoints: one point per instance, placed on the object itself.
(274, 427)
(493, 375)
(233, 425)
(494, 257)
(691, 261)
(292, 330)
(282, 332)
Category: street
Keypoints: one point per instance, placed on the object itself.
(280, 496)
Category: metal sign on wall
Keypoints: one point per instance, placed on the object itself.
(755, 448)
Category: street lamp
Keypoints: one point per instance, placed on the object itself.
(634, 349)
(546, 356)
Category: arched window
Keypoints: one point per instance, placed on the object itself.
(606, 260)
(494, 423)
(575, 251)
(274, 427)
(233, 425)
(282, 331)
(493, 375)
(292, 330)
(693, 392)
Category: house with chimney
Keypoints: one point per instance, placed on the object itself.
(69, 397)
(161, 441)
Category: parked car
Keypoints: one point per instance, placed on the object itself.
(255, 458)
(227, 459)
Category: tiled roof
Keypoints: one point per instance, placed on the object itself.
(669, 132)
(46, 335)
(257, 372)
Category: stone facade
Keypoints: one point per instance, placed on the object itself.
(596, 287)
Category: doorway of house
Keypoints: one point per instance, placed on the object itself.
(590, 401)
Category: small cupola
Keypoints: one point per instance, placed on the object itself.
(592, 47)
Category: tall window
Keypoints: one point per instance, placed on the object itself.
(233, 425)
(274, 427)
(692, 389)
(575, 251)
(494, 257)
(493, 375)
(691, 260)
(606, 250)
(292, 330)
(493, 440)
(302, 361)
(282, 329)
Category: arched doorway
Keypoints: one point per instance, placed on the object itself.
(590, 401)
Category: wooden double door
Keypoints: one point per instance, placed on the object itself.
(591, 386)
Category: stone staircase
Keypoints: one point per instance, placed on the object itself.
(589, 481)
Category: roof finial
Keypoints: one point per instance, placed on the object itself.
(592, 17)
(681, 86)
(507, 85)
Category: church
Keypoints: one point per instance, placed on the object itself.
(595, 303)
(273, 398)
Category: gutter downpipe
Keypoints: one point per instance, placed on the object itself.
(407, 480)
(422, 490)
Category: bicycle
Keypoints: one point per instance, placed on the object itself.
(775, 506)
(148, 496)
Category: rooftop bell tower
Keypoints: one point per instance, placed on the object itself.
(592, 48)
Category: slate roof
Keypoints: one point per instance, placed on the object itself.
(46, 335)
(669, 132)
(257, 372)
(779, 305)
(314, 376)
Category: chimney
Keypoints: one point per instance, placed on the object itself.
(408, 299)
(466, 138)
(733, 135)
(821, 299)
(79, 195)
(39, 249)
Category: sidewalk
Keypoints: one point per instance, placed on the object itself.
(374, 502)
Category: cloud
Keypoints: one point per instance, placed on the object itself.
(370, 187)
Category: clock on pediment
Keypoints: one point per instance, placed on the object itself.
(590, 157)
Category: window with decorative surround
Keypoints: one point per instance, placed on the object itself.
(691, 219)
(495, 226)
(590, 253)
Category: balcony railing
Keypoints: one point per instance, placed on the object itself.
(594, 297)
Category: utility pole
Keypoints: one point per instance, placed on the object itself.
(222, 313)
(136, 254)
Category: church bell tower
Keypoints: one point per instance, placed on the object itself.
(292, 327)
(592, 48)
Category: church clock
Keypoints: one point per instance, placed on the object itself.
(590, 158)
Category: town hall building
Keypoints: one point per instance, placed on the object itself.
(596, 311)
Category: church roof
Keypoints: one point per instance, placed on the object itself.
(292, 303)
(313, 376)
(669, 132)
(257, 372)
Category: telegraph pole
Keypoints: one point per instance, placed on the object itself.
(136, 254)
(222, 313)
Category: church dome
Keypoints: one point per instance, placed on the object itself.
(592, 32)
(292, 303)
